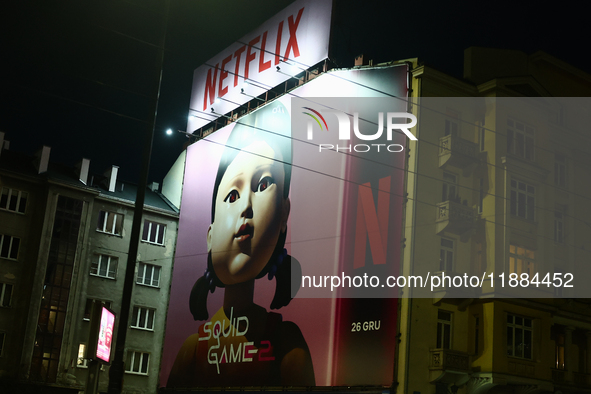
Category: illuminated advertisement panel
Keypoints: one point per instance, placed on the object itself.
(293, 40)
(105, 335)
(267, 209)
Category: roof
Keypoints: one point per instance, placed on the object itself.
(23, 165)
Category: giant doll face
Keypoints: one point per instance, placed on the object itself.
(250, 213)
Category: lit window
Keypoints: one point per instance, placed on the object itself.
(137, 363)
(443, 330)
(13, 200)
(446, 255)
(560, 170)
(521, 260)
(523, 199)
(5, 294)
(559, 351)
(110, 222)
(81, 361)
(450, 187)
(104, 266)
(148, 275)
(519, 337)
(143, 318)
(9, 247)
(520, 139)
(154, 232)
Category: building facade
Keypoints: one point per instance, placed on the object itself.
(496, 187)
(65, 238)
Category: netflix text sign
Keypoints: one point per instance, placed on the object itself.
(293, 40)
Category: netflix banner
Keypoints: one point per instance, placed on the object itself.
(278, 207)
(285, 45)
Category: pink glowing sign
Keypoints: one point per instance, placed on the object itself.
(103, 349)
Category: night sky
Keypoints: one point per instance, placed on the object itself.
(81, 77)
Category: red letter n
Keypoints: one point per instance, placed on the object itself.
(372, 223)
(210, 84)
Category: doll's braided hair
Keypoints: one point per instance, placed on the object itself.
(270, 124)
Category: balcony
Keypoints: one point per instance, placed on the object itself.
(449, 367)
(455, 218)
(457, 152)
(563, 378)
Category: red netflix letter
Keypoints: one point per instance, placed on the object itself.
(210, 87)
(237, 55)
(262, 64)
(293, 41)
(250, 55)
(223, 74)
(278, 43)
(372, 224)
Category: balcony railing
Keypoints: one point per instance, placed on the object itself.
(455, 218)
(457, 152)
(444, 359)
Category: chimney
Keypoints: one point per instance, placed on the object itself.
(111, 175)
(363, 60)
(83, 166)
(42, 161)
(154, 186)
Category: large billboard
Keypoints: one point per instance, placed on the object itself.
(265, 204)
(293, 40)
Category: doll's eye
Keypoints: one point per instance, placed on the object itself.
(265, 183)
(232, 196)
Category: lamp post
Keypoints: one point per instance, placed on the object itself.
(117, 367)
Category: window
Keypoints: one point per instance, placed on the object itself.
(450, 187)
(558, 227)
(520, 139)
(521, 260)
(443, 330)
(110, 222)
(143, 318)
(82, 361)
(481, 135)
(476, 333)
(2, 338)
(560, 170)
(451, 127)
(88, 308)
(446, 255)
(13, 200)
(104, 266)
(148, 275)
(9, 247)
(523, 199)
(5, 294)
(481, 196)
(559, 351)
(154, 232)
(137, 362)
(519, 337)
